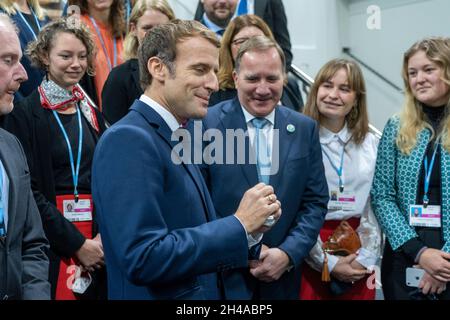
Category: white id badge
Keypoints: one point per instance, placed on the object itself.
(345, 200)
(82, 281)
(77, 211)
(430, 217)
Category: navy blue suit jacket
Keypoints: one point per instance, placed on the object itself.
(159, 229)
(300, 185)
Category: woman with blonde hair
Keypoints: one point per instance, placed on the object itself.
(237, 32)
(106, 20)
(58, 128)
(337, 101)
(122, 86)
(413, 174)
(29, 18)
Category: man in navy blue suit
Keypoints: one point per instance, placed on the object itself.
(160, 234)
(295, 167)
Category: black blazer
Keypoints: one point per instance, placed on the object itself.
(120, 90)
(30, 123)
(273, 13)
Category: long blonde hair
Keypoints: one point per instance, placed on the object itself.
(10, 8)
(412, 117)
(357, 119)
(131, 42)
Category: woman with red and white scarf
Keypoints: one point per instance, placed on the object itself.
(59, 127)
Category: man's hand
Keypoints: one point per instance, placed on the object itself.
(435, 262)
(428, 284)
(344, 271)
(256, 205)
(90, 255)
(272, 263)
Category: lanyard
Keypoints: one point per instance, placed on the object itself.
(2, 213)
(102, 42)
(128, 11)
(75, 169)
(428, 170)
(28, 25)
(338, 170)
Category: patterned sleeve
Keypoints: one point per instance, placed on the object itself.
(384, 190)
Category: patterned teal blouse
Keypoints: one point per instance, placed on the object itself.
(395, 185)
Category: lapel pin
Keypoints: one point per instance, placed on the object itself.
(290, 128)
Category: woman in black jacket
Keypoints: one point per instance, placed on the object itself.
(122, 86)
(59, 129)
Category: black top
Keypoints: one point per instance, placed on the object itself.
(31, 21)
(429, 237)
(60, 155)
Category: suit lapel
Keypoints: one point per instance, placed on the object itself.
(283, 145)
(165, 133)
(233, 118)
(6, 161)
(260, 7)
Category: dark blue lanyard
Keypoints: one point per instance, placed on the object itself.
(75, 169)
(428, 170)
(128, 11)
(337, 169)
(28, 25)
(102, 42)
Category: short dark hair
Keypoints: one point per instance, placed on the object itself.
(161, 41)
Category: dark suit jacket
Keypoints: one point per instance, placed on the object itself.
(120, 90)
(23, 259)
(159, 229)
(273, 13)
(31, 124)
(299, 184)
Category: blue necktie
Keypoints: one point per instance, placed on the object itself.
(2, 218)
(242, 8)
(262, 150)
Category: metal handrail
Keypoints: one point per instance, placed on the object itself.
(346, 50)
(308, 81)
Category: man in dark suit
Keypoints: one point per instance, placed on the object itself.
(293, 167)
(23, 246)
(159, 230)
(272, 12)
(216, 14)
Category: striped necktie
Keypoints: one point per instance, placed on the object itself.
(262, 150)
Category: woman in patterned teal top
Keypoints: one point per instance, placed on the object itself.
(413, 174)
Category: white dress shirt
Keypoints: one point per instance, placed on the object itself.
(173, 124)
(5, 195)
(357, 175)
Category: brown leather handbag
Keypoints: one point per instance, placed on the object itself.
(343, 242)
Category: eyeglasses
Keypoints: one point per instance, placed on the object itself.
(239, 41)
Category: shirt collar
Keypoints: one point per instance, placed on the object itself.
(168, 117)
(327, 136)
(211, 25)
(249, 117)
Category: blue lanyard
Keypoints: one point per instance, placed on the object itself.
(128, 11)
(75, 170)
(28, 25)
(428, 170)
(2, 213)
(102, 42)
(338, 170)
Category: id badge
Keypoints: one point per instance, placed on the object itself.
(345, 200)
(77, 211)
(430, 217)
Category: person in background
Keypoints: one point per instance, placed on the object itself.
(29, 17)
(337, 101)
(238, 31)
(23, 246)
(58, 129)
(217, 14)
(122, 86)
(106, 22)
(413, 172)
